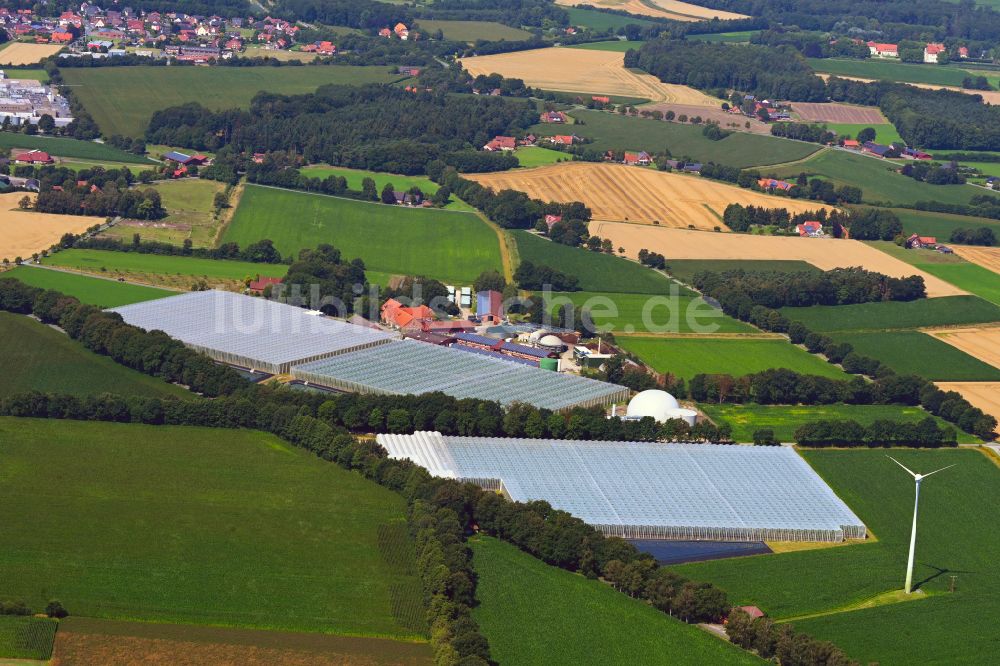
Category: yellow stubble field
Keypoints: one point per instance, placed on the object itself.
(23, 53)
(984, 395)
(635, 194)
(671, 9)
(987, 257)
(23, 232)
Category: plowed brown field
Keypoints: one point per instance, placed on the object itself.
(671, 9)
(635, 194)
(23, 53)
(824, 253)
(583, 71)
(982, 343)
(984, 395)
(25, 232)
(987, 257)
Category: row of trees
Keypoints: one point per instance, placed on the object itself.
(771, 641)
(89, 199)
(739, 289)
(933, 174)
(742, 218)
(884, 433)
(533, 276)
(261, 252)
(979, 236)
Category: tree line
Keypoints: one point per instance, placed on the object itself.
(261, 252)
(881, 433)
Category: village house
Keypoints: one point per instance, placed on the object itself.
(914, 154)
(554, 117)
(503, 143)
(932, 51)
(33, 157)
(394, 313)
(917, 242)
(601, 99)
(641, 158)
(876, 149)
(810, 229)
(880, 50)
(774, 184)
(852, 144)
(402, 31)
(564, 139)
(551, 220)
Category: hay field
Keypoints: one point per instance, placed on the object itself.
(982, 343)
(824, 253)
(834, 112)
(670, 9)
(584, 71)
(23, 232)
(22, 53)
(634, 194)
(987, 257)
(984, 395)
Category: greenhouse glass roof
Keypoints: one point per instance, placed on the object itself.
(244, 326)
(648, 490)
(411, 367)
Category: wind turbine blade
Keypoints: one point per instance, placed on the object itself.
(938, 470)
(912, 473)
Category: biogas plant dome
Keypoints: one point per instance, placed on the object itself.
(655, 403)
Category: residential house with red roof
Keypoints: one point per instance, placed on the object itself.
(881, 50)
(932, 51)
(33, 157)
(642, 158)
(774, 184)
(810, 229)
(504, 143)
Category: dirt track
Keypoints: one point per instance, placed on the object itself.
(833, 112)
(824, 253)
(984, 395)
(987, 257)
(636, 194)
(584, 71)
(982, 343)
(671, 9)
(23, 53)
(25, 232)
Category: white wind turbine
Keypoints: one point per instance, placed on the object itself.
(916, 501)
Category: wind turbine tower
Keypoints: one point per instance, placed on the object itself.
(917, 478)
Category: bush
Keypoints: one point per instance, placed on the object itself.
(764, 437)
(56, 609)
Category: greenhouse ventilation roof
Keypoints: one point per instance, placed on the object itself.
(411, 367)
(253, 332)
(648, 490)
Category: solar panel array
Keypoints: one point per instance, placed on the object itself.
(649, 490)
(253, 332)
(411, 367)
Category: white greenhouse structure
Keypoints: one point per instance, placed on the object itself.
(412, 367)
(641, 490)
(254, 333)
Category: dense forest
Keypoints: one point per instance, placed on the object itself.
(373, 127)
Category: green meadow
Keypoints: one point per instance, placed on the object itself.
(66, 147)
(355, 179)
(100, 261)
(447, 245)
(916, 353)
(954, 546)
(924, 312)
(123, 99)
(646, 313)
(201, 526)
(535, 156)
(940, 225)
(40, 358)
(588, 18)
(106, 293)
(686, 269)
(874, 68)
(585, 621)
(724, 37)
(617, 45)
(885, 133)
(471, 31)
(686, 357)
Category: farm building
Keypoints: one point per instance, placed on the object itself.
(490, 304)
(880, 50)
(810, 229)
(647, 490)
(409, 367)
(505, 143)
(249, 332)
(773, 184)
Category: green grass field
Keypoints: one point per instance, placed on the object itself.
(36, 73)
(784, 419)
(201, 526)
(617, 45)
(941, 225)
(96, 291)
(873, 68)
(956, 508)
(686, 357)
(535, 156)
(916, 353)
(588, 18)
(645, 313)
(190, 204)
(446, 245)
(885, 133)
(925, 312)
(585, 621)
(471, 31)
(355, 177)
(97, 261)
(686, 269)
(26, 637)
(615, 132)
(65, 147)
(724, 37)
(39, 358)
(951, 268)
(597, 272)
(122, 99)
(876, 178)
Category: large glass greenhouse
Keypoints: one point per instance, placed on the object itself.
(411, 367)
(250, 332)
(642, 490)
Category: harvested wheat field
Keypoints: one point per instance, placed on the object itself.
(24, 232)
(987, 257)
(834, 112)
(22, 53)
(670, 9)
(584, 71)
(984, 395)
(982, 343)
(634, 194)
(824, 253)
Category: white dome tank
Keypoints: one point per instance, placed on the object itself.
(654, 402)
